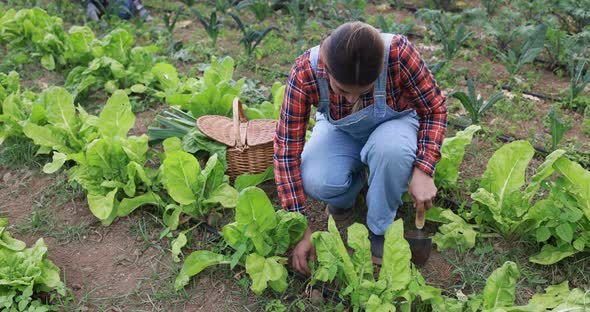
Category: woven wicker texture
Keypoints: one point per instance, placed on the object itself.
(253, 153)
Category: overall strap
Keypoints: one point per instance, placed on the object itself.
(379, 93)
(322, 83)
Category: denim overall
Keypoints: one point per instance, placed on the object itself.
(334, 161)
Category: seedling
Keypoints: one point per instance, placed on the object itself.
(251, 38)
(259, 8)
(298, 13)
(514, 60)
(475, 105)
(212, 25)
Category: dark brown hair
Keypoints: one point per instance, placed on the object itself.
(353, 54)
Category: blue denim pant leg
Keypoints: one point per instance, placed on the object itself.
(331, 168)
(125, 8)
(390, 152)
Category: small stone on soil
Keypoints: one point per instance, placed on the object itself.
(316, 297)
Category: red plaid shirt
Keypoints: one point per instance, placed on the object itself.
(410, 85)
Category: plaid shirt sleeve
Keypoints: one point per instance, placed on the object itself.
(421, 89)
(290, 135)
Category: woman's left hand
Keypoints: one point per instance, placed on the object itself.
(422, 189)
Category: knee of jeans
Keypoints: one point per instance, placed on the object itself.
(396, 153)
(323, 185)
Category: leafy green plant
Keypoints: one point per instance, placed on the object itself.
(394, 28)
(111, 168)
(445, 31)
(247, 180)
(260, 8)
(250, 38)
(171, 18)
(513, 60)
(213, 93)
(455, 233)
(578, 10)
(25, 273)
(558, 44)
(500, 202)
(35, 33)
(116, 64)
(452, 152)
(492, 5)
(499, 294)
(557, 128)
(298, 13)
(9, 83)
(80, 43)
(268, 110)
(17, 108)
(55, 126)
(197, 191)
(564, 227)
(399, 282)
(579, 70)
(474, 104)
(212, 25)
(222, 6)
(176, 123)
(260, 236)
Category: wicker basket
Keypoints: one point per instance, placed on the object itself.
(250, 143)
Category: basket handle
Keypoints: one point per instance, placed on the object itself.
(238, 111)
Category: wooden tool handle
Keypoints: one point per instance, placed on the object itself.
(420, 217)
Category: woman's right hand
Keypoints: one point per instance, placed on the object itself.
(303, 252)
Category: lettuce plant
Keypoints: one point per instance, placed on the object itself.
(113, 64)
(212, 94)
(111, 167)
(17, 109)
(25, 272)
(268, 110)
(259, 237)
(36, 33)
(398, 280)
(455, 233)
(564, 227)
(452, 152)
(499, 294)
(9, 83)
(55, 126)
(196, 191)
(504, 201)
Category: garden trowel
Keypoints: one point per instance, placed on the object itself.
(420, 242)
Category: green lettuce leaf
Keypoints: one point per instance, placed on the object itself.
(452, 152)
(500, 287)
(358, 240)
(551, 254)
(116, 118)
(395, 269)
(264, 270)
(195, 263)
(179, 175)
